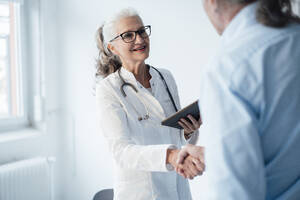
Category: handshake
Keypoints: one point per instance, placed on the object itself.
(188, 162)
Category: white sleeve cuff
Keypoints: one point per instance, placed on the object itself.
(169, 167)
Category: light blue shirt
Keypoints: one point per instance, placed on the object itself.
(250, 105)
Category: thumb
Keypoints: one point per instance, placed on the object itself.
(181, 156)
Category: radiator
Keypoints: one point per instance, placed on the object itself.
(27, 179)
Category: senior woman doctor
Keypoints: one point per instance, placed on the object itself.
(133, 99)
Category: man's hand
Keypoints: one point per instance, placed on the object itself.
(194, 151)
(188, 156)
(190, 168)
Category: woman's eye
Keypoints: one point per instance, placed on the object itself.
(127, 35)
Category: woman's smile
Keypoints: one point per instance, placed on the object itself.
(140, 48)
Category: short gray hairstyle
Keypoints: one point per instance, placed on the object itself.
(109, 29)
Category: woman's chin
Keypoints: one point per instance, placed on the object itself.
(141, 57)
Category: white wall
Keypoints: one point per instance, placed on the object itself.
(182, 40)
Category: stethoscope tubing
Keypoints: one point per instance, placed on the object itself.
(134, 88)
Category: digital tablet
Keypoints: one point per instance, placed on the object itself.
(191, 109)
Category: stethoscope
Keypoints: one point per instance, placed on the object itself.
(146, 116)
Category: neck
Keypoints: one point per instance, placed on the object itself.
(228, 14)
(138, 69)
(140, 72)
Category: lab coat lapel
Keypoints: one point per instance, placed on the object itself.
(156, 104)
(154, 107)
(133, 98)
(128, 77)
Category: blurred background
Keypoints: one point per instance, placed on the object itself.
(48, 113)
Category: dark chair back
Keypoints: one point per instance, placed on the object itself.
(107, 194)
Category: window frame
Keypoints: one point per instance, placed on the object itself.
(28, 27)
(296, 7)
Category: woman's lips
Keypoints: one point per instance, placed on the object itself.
(140, 49)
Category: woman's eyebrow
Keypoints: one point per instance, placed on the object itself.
(132, 30)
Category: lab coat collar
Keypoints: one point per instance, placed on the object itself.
(153, 73)
(129, 77)
(154, 77)
(243, 19)
(155, 105)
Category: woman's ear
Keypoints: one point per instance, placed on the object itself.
(112, 49)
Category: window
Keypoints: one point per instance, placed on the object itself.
(10, 69)
(297, 7)
(12, 110)
(20, 101)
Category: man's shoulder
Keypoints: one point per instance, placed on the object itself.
(252, 48)
(259, 38)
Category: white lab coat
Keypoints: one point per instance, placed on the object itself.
(139, 147)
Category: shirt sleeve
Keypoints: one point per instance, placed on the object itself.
(233, 153)
(127, 154)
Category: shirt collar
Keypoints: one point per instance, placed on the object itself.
(126, 75)
(244, 18)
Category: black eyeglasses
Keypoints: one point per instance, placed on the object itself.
(130, 36)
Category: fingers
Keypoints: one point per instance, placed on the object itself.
(179, 169)
(190, 168)
(187, 124)
(199, 165)
(184, 171)
(190, 162)
(185, 127)
(188, 127)
(195, 151)
(196, 123)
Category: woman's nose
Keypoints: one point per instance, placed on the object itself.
(139, 39)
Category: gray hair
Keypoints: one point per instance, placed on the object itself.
(106, 62)
(109, 25)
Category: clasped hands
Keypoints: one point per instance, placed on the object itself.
(188, 162)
